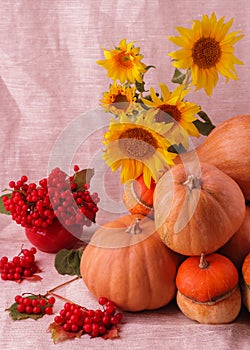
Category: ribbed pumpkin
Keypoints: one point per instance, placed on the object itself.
(246, 282)
(138, 198)
(227, 147)
(208, 289)
(127, 262)
(197, 210)
(238, 246)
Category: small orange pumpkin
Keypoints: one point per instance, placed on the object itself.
(227, 147)
(238, 246)
(246, 282)
(208, 289)
(197, 210)
(127, 262)
(138, 198)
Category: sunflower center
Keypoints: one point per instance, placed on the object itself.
(168, 113)
(137, 143)
(206, 52)
(119, 98)
(125, 60)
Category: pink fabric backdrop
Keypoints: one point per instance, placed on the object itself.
(50, 80)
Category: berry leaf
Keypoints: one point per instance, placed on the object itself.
(2, 208)
(112, 333)
(67, 262)
(58, 334)
(17, 316)
(83, 177)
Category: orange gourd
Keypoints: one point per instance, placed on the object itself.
(127, 262)
(246, 282)
(208, 289)
(197, 210)
(227, 147)
(238, 246)
(138, 198)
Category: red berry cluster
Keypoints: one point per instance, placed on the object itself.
(35, 304)
(71, 204)
(36, 206)
(21, 266)
(74, 318)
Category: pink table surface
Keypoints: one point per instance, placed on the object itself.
(50, 87)
(165, 328)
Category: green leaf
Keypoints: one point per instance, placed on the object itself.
(83, 177)
(178, 77)
(177, 148)
(148, 67)
(206, 126)
(17, 316)
(2, 208)
(140, 86)
(67, 262)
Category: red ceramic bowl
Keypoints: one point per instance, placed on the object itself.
(54, 238)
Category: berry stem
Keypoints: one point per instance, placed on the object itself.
(51, 291)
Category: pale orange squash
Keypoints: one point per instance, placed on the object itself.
(208, 289)
(228, 148)
(197, 210)
(238, 246)
(138, 198)
(127, 262)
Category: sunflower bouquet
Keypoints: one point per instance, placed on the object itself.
(150, 127)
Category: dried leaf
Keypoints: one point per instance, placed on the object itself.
(58, 334)
(111, 333)
(83, 177)
(67, 261)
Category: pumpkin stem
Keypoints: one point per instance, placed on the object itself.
(192, 182)
(203, 262)
(135, 228)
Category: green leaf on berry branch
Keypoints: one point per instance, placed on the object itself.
(2, 208)
(67, 262)
(16, 315)
(58, 334)
(83, 177)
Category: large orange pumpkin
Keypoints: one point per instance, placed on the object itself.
(208, 289)
(127, 262)
(238, 246)
(138, 198)
(227, 147)
(197, 210)
(246, 282)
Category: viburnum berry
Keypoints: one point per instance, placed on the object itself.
(34, 304)
(21, 266)
(58, 196)
(74, 318)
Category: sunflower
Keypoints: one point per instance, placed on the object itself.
(207, 49)
(119, 99)
(138, 148)
(124, 63)
(171, 107)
